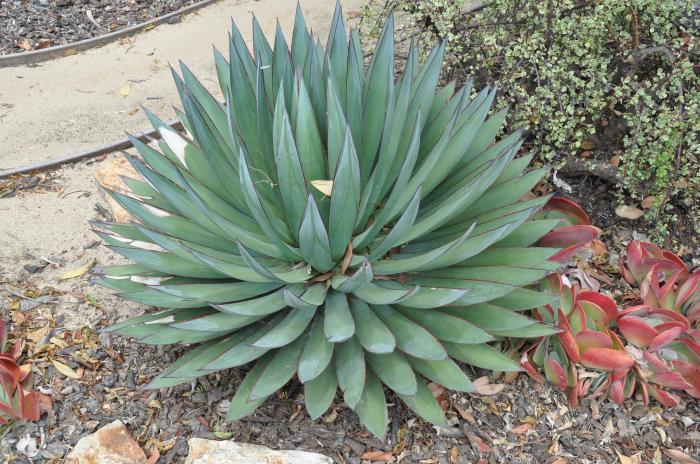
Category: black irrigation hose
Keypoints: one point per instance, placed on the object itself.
(121, 144)
(36, 56)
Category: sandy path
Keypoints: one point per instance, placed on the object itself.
(74, 103)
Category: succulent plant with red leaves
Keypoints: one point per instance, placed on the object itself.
(667, 355)
(652, 348)
(571, 237)
(16, 400)
(584, 318)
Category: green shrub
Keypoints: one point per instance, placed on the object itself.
(594, 78)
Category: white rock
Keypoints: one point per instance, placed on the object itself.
(230, 452)
(27, 446)
(112, 444)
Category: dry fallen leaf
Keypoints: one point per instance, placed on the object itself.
(680, 457)
(65, 370)
(649, 202)
(629, 212)
(25, 44)
(615, 160)
(43, 43)
(378, 456)
(110, 176)
(77, 272)
(124, 91)
(478, 444)
(467, 416)
(597, 247)
(634, 459)
(454, 455)
(522, 429)
(39, 334)
(323, 186)
(483, 386)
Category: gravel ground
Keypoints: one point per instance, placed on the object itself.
(32, 24)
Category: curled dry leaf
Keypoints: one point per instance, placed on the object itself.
(77, 272)
(629, 212)
(483, 386)
(65, 370)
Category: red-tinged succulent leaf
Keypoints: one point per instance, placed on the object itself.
(594, 312)
(577, 320)
(567, 340)
(552, 284)
(691, 374)
(688, 289)
(637, 331)
(9, 375)
(605, 303)
(3, 336)
(670, 379)
(570, 238)
(667, 399)
(555, 373)
(627, 274)
(617, 391)
(667, 293)
(664, 338)
(671, 316)
(661, 373)
(630, 383)
(644, 390)
(567, 299)
(17, 348)
(568, 209)
(642, 256)
(29, 405)
(616, 340)
(606, 359)
(572, 393)
(650, 288)
(529, 368)
(693, 345)
(693, 313)
(25, 375)
(587, 339)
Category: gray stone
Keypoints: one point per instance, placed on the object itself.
(231, 452)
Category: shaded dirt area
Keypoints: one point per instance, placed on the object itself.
(35, 24)
(524, 423)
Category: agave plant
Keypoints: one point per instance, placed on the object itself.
(333, 222)
(16, 400)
